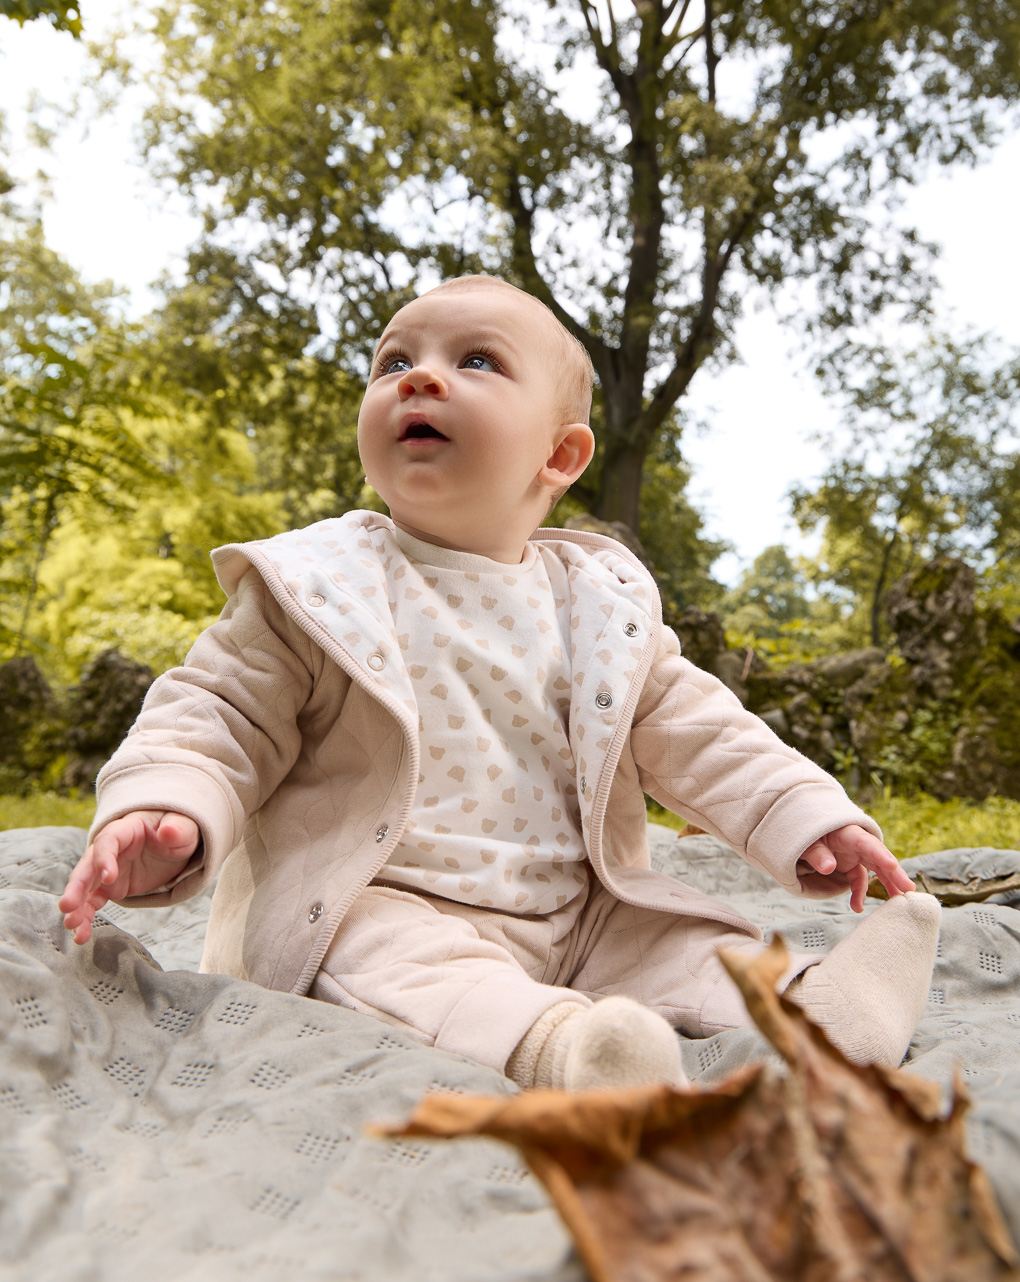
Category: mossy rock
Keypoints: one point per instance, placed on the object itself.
(101, 709)
(31, 724)
(939, 713)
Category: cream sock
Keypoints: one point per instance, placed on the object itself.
(522, 1065)
(869, 993)
(616, 1042)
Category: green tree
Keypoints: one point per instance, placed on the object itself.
(709, 151)
(931, 468)
(671, 531)
(141, 580)
(771, 593)
(63, 408)
(114, 482)
(249, 354)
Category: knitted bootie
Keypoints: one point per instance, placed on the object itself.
(616, 1042)
(869, 993)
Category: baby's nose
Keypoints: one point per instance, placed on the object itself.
(422, 379)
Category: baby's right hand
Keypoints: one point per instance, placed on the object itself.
(130, 856)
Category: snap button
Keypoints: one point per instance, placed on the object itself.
(315, 912)
(584, 783)
(315, 599)
(631, 629)
(381, 833)
(604, 700)
(376, 661)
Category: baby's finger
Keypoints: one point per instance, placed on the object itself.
(176, 836)
(820, 858)
(858, 879)
(79, 920)
(83, 880)
(889, 871)
(119, 841)
(83, 930)
(896, 881)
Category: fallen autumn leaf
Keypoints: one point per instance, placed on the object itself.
(822, 1171)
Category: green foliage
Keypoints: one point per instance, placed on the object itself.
(65, 15)
(770, 594)
(774, 612)
(916, 751)
(228, 341)
(932, 468)
(144, 583)
(115, 482)
(672, 533)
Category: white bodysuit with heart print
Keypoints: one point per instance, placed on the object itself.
(496, 822)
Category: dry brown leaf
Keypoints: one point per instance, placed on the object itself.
(952, 891)
(691, 830)
(824, 1172)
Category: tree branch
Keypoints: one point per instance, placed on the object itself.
(605, 55)
(710, 56)
(535, 283)
(670, 9)
(613, 32)
(692, 353)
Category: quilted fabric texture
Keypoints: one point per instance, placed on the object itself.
(162, 1124)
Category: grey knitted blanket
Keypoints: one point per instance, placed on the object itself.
(160, 1124)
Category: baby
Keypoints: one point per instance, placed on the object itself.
(415, 748)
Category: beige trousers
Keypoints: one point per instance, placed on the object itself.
(473, 981)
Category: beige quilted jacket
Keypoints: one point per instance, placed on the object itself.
(290, 736)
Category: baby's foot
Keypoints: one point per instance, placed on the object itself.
(869, 993)
(616, 1042)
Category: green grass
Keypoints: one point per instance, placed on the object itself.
(44, 808)
(920, 824)
(912, 825)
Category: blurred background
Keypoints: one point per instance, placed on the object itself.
(785, 233)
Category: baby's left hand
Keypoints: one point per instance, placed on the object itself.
(844, 858)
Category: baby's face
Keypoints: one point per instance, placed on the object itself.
(461, 413)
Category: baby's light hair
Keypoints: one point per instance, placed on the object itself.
(578, 371)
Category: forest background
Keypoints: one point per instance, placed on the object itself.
(649, 170)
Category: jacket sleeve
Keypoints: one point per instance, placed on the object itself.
(700, 753)
(216, 736)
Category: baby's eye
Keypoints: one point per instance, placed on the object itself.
(480, 362)
(394, 365)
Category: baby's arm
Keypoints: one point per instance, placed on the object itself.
(700, 753)
(844, 859)
(129, 856)
(215, 736)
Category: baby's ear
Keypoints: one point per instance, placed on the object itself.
(575, 446)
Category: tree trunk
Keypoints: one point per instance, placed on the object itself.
(620, 489)
(878, 593)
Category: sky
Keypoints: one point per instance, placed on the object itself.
(108, 218)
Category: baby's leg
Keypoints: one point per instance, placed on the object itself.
(480, 983)
(462, 980)
(667, 962)
(867, 994)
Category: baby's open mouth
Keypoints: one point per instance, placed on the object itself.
(422, 432)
